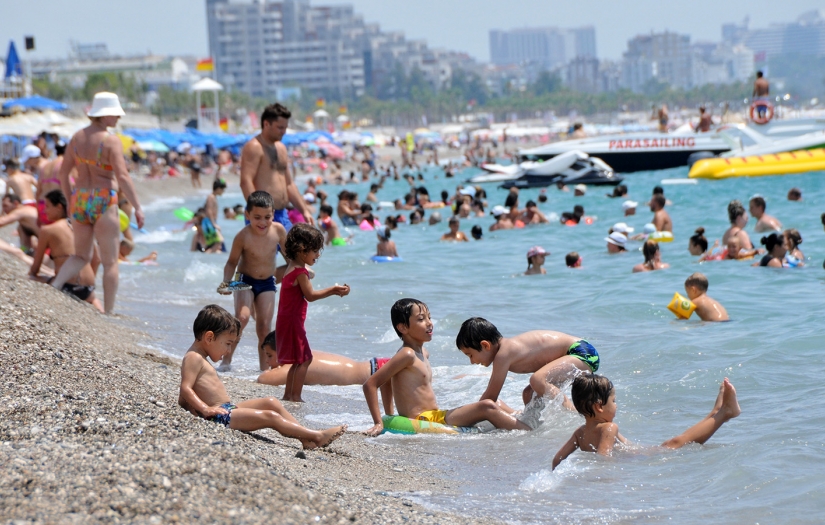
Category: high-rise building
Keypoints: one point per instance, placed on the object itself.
(541, 47)
(665, 57)
(804, 37)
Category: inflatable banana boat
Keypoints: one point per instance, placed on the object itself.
(801, 161)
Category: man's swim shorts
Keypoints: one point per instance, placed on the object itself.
(376, 363)
(260, 286)
(585, 351)
(223, 419)
(433, 416)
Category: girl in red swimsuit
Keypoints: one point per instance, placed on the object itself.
(303, 247)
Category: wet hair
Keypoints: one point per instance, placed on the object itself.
(794, 236)
(366, 207)
(542, 198)
(735, 210)
(572, 258)
(13, 197)
(12, 164)
(659, 199)
(213, 318)
(270, 341)
(658, 190)
(794, 192)
(302, 238)
(273, 112)
(373, 187)
(649, 250)
(260, 199)
(475, 330)
(421, 190)
(772, 241)
(529, 204)
(56, 197)
(759, 74)
(699, 239)
(477, 232)
(698, 280)
(511, 200)
(578, 210)
(326, 208)
(402, 310)
(589, 389)
(344, 195)
(414, 213)
(385, 235)
(759, 201)
(219, 184)
(59, 147)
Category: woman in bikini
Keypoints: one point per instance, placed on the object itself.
(738, 219)
(652, 259)
(101, 169)
(776, 248)
(48, 180)
(57, 237)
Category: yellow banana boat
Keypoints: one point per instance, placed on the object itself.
(801, 161)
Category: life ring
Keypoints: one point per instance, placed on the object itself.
(385, 259)
(769, 114)
(660, 237)
(403, 425)
(681, 306)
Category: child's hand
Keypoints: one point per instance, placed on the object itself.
(214, 411)
(342, 289)
(376, 430)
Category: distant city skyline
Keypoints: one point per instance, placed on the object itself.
(178, 27)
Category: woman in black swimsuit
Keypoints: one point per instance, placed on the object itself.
(776, 247)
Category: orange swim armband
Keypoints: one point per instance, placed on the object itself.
(681, 306)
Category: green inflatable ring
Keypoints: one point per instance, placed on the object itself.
(404, 425)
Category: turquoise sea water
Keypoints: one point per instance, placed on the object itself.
(763, 467)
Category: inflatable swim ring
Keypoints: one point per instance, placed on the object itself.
(366, 226)
(184, 214)
(768, 111)
(339, 241)
(681, 306)
(403, 425)
(124, 220)
(385, 259)
(661, 237)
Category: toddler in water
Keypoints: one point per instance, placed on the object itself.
(202, 393)
(595, 399)
(302, 248)
(535, 261)
(573, 260)
(708, 309)
(385, 247)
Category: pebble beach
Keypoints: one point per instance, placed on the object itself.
(92, 432)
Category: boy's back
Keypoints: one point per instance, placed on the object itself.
(528, 352)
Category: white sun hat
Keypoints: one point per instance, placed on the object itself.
(106, 104)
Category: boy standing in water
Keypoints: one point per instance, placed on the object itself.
(253, 253)
(708, 309)
(552, 357)
(595, 399)
(412, 378)
(202, 393)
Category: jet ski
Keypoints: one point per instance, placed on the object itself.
(572, 167)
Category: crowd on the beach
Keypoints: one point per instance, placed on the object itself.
(87, 230)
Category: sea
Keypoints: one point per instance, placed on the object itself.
(764, 467)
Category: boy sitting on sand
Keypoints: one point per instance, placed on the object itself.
(595, 399)
(552, 357)
(202, 393)
(411, 377)
(253, 252)
(708, 309)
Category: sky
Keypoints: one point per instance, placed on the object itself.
(178, 27)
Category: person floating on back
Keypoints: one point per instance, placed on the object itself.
(595, 399)
(254, 251)
(202, 393)
(303, 247)
(552, 357)
(707, 308)
(411, 376)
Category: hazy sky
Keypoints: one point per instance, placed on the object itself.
(179, 26)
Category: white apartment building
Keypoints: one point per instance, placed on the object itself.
(542, 47)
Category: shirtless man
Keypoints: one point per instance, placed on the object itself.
(764, 222)
(265, 166)
(761, 90)
(26, 219)
(661, 219)
(705, 121)
(454, 234)
(532, 215)
(20, 183)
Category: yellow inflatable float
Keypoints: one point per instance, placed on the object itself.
(801, 161)
(682, 307)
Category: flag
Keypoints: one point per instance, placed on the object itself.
(342, 109)
(14, 68)
(205, 64)
(224, 124)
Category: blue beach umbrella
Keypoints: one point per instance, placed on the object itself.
(14, 68)
(35, 102)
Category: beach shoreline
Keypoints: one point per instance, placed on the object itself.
(93, 432)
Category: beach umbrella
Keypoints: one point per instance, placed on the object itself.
(152, 145)
(332, 150)
(126, 140)
(35, 102)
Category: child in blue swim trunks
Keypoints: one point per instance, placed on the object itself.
(551, 357)
(253, 253)
(203, 394)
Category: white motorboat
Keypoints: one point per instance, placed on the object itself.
(572, 167)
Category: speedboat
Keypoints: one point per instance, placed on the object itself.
(572, 167)
(640, 151)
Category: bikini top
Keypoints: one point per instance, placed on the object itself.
(52, 180)
(96, 162)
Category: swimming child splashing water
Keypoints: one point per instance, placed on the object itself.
(303, 247)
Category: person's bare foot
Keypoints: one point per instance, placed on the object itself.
(327, 437)
(729, 404)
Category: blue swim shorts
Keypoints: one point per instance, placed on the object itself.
(260, 286)
(223, 419)
(583, 350)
